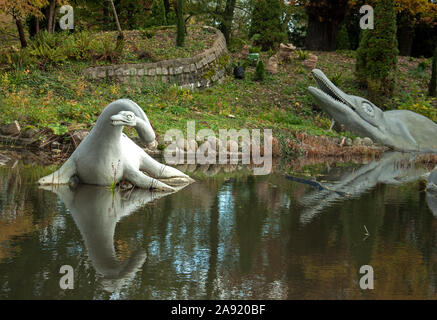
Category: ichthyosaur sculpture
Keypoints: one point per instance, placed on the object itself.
(108, 156)
(400, 130)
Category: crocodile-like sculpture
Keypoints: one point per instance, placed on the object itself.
(400, 130)
(108, 156)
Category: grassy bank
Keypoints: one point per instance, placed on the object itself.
(60, 98)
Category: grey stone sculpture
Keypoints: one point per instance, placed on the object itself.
(96, 212)
(107, 156)
(400, 130)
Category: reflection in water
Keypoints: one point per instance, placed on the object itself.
(224, 237)
(96, 211)
(431, 191)
(393, 168)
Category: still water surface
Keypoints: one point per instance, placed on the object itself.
(227, 236)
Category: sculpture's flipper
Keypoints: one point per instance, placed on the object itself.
(140, 180)
(167, 174)
(61, 176)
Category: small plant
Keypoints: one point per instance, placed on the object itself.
(58, 129)
(105, 50)
(78, 46)
(422, 105)
(420, 70)
(147, 33)
(113, 183)
(302, 55)
(48, 48)
(260, 72)
(337, 79)
(300, 70)
(254, 50)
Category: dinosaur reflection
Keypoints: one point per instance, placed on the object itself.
(431, 191)
(96, 212)
(393, 168)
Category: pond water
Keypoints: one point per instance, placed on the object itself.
(226, 236)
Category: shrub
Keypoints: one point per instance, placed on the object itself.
(266, 21)
(157, 16)
(78, 46)
(302, 55)
(48, 55)
(254, 50)
(343, 42)
(377, 54)
(14, 58)
(420, 104)
(337, 79)
(48, 48)
(260, 72)
(105, 50)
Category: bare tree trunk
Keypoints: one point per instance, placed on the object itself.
(51, 14)
(167, 7)
(321, 35)
(228, 17)
(21, 32)
(120, 37)
(120, 33)
(54, 20)
(405, 37)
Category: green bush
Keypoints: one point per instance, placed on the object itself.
(14, 58)
(105, 50)
(48, 48)
(337, 79)
(236, 44)
(260, 72)
(377, 54)
(343, 42)
(78, 46)
(157, 16)
(302, 55)
(420, 104)
(266, 21)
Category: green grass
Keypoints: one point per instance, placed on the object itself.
(60, 98)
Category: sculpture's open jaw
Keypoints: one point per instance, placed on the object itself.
(327, 94)
(124, 118)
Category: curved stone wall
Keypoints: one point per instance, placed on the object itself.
(199, 71)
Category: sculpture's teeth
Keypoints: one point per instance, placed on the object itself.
(329, 88)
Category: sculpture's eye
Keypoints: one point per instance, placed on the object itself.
(368, 109)
(129, 117)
